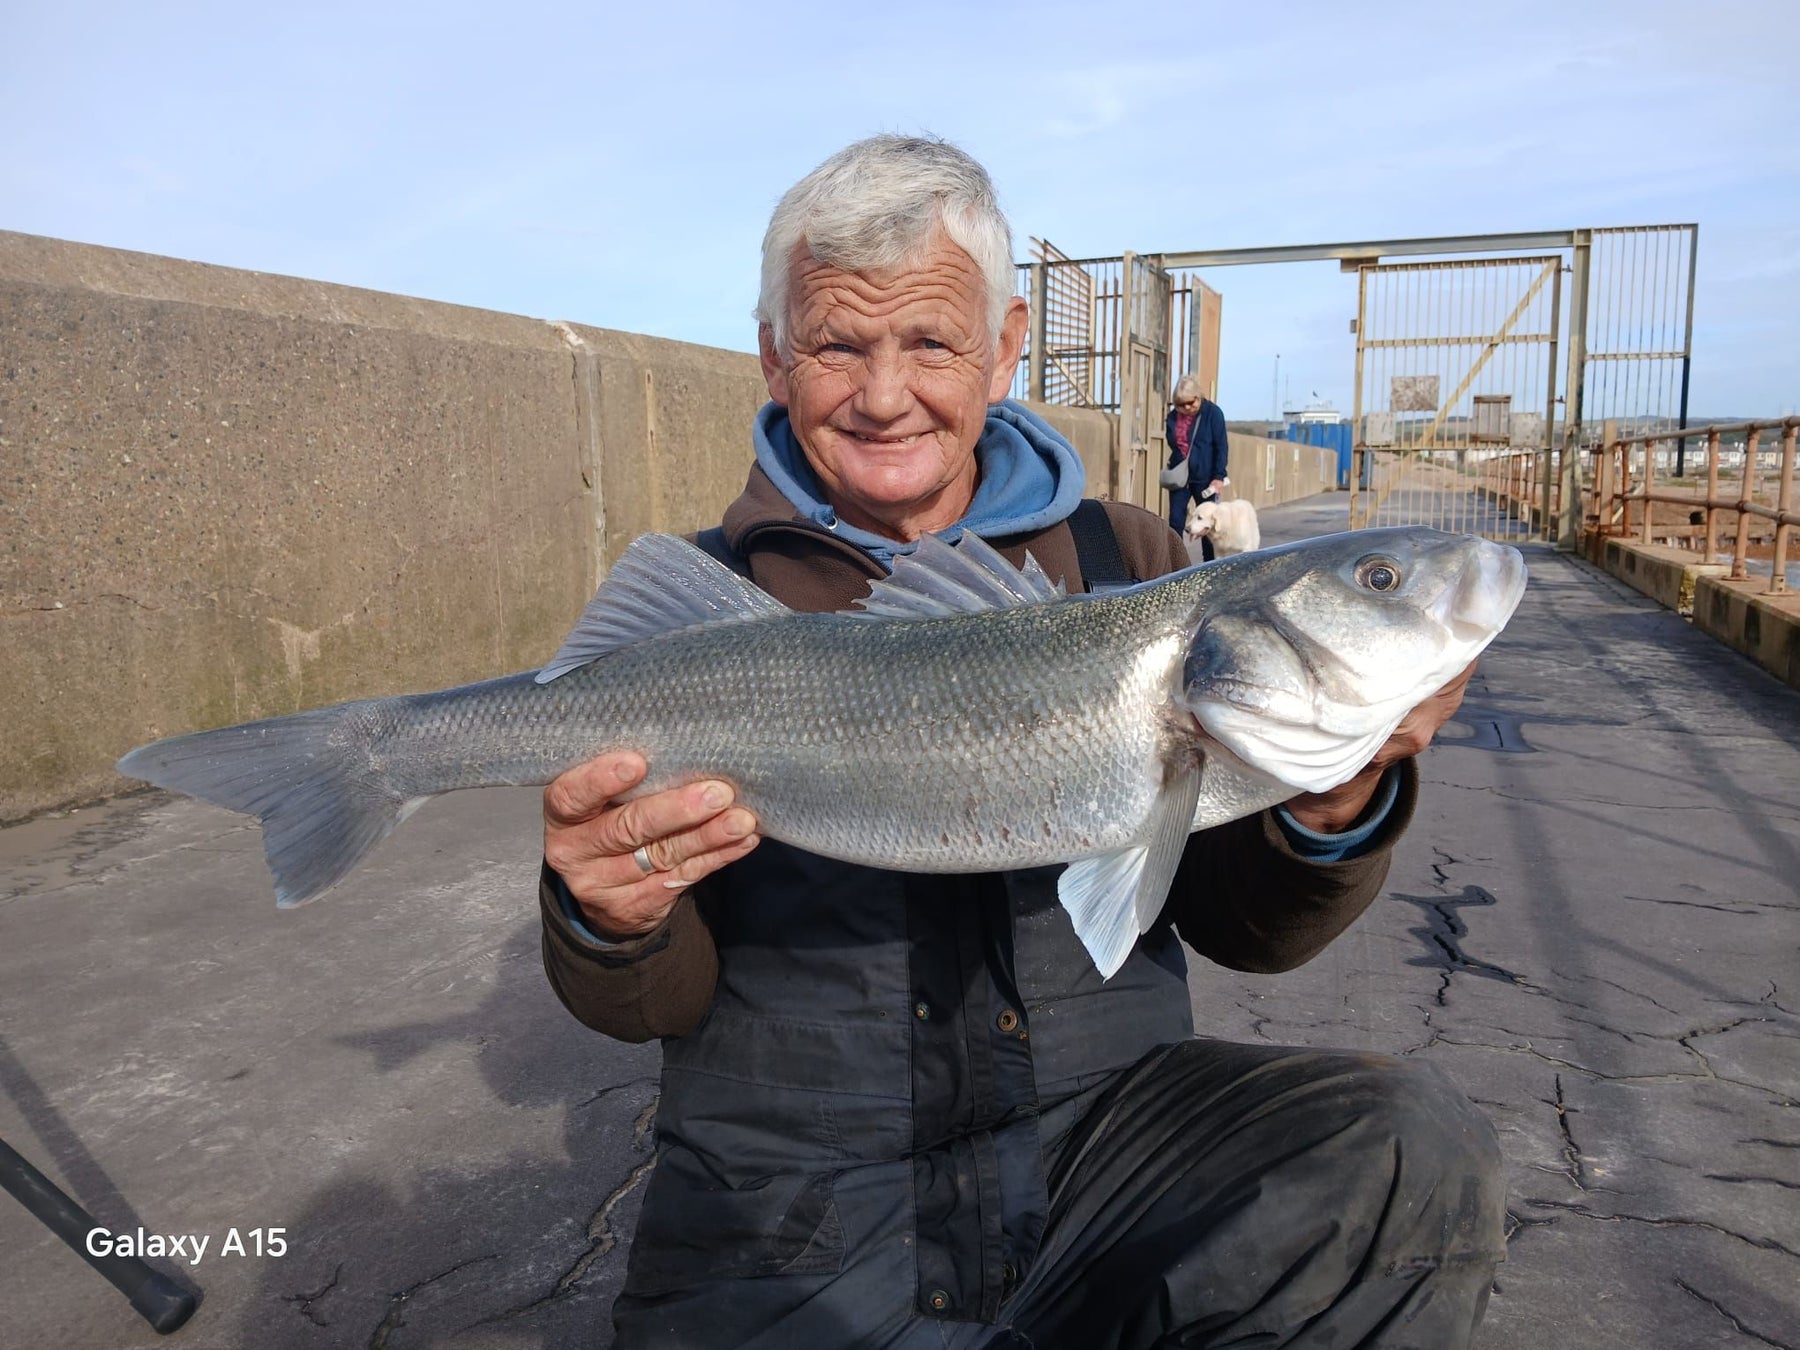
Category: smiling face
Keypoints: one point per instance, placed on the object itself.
(888, 382)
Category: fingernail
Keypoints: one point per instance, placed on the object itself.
(716, 795)
(738, 823)
(674, 885)
(625, 772)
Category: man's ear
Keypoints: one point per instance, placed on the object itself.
(1013, 328)
(774, 371)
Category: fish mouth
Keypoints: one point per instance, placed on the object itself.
(1485, 596)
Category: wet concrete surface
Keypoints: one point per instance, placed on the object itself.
(1591, 926)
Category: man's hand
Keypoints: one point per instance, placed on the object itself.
(1336, 810)
(687, 832)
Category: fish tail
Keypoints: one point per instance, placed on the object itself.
(310, 778)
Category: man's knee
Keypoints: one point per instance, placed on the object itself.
(1441, 1152)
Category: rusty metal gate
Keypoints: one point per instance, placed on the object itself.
(1455, 397)
(1143, 382)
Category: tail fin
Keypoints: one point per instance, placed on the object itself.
(308, 778)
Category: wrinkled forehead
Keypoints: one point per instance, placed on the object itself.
(942, 281)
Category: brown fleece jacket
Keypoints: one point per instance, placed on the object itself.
(1244, 899)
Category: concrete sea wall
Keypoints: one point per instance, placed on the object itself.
(227, 495)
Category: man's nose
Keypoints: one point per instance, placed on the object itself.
(885, 392)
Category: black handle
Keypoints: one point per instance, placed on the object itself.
(161, 1302)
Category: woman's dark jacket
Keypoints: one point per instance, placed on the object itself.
(1208, 447)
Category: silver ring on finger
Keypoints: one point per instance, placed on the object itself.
(641, 856)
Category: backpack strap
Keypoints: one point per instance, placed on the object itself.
(1097, 547)
(712, 543)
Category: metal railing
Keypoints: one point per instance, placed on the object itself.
(1526, 484)
(1625, 477)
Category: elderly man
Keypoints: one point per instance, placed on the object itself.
(904, 1110)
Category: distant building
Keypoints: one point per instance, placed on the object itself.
(1318, 410)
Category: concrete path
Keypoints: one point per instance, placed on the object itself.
(1592, 927)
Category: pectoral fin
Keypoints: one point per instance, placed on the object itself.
(1113, 899)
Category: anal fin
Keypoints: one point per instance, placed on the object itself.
(1113, 899)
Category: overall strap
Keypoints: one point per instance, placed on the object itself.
(1097, 547)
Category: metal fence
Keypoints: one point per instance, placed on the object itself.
(1455, 369)
(1639, 330)
(1631, 496)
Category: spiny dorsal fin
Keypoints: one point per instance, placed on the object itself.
(936, 580)
(662, 584)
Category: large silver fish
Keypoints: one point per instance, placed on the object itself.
(969, 717)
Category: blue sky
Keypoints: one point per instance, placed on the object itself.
(615, 164)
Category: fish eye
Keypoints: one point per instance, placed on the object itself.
(1378, 574)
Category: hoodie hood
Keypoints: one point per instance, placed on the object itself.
(1029, 479)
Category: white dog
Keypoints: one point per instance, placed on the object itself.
(1231, 524)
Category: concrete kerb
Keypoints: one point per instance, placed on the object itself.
(1763, 627)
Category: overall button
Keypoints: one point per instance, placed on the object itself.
(1008, 1021)
(922, 1011)
(938, 1300)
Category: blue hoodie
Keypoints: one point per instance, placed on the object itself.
(1030, 478)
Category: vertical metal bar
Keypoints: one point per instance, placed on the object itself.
(1784, 503)
(1130, 432)
(1712, 496)
(1359, 449)
(1746, 494)
(1687, 331)
(1649, 487)
(1546, 524)
(1603, 479)
(1040, 329)
(1575, 385)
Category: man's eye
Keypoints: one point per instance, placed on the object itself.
(837, 347)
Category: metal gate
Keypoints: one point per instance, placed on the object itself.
(1455, 397)
(1143, 383)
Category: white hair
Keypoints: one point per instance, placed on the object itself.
(879, 204)
(1187, 384)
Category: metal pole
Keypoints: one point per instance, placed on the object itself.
(1546, 522)
(1129, 436)
(1575, 383)
(1784, 503)
(1040, 329)
(1746, 494)
(1712, 495)
(1687, 345)
(1359, 450)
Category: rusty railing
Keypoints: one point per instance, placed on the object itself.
(1625, 477)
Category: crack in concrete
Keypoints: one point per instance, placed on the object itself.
(1517, 1223)
(1525, 1047)
(1611, 984)
(1753, 908)
(395, 1317)
(306, 1301)
(1444, 930)
(1576, 1167)
(1731, 1317)
(1541, 799)
(602, 1239)
(606, 1092)
(1738, 1179)
(1761, 1244)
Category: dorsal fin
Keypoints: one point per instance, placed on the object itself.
(661, 584)
(936, 580)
